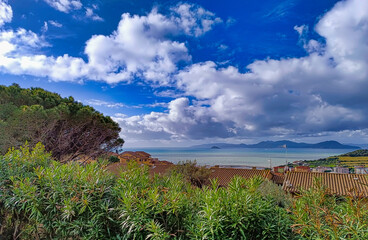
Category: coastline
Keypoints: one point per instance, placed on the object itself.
(239, 157)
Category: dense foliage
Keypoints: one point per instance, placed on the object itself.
(317, 215)
(350, 159)
(357, 153)
(326, 162)
(66, 127)
(44, 199)
(195, 174)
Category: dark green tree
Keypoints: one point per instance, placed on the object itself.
(66, 127)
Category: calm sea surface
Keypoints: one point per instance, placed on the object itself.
(240, 156)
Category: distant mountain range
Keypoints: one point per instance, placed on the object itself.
(280, 144)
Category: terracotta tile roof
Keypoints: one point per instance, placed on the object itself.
(143, 154)
(302, 169)
(159, 169)
(224, 175)
(165, 162)
(117, 168)
(337, 184)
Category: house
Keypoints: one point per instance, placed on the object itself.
(336, 183)
(321, 169)
(139, 156)
(302, 169)
(341, 170)
(225, 175)
(279, 169)
(360, 170)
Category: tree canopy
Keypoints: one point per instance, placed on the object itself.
(66, 127)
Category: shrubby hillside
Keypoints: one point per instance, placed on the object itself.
(66, 127)
(357, 153)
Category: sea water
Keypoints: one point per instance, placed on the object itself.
(258, 157)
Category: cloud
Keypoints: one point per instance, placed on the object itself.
(345, 29)
(101, 103)
(222, 47)
(230, 22)
(45, 27)
(96, 102)
(92, 15)
(194, 20)
(182, 121)
(311, 45)
(138, 47)
(23, 40)
(6, 12)
(280, 10)
(141, 46)
(55, 23)
(154, 105)
(323, 92)
(65, 5)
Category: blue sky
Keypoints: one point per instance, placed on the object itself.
(178, 73)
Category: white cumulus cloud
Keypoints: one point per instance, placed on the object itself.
(323, 92)
(65, 5)
(140, 47)
(6, 12)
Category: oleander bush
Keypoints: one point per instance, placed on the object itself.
(44, 199)
(317, 215)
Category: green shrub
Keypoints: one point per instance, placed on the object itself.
(239, 212)
(275, 193)
(196, 175)
(114, 159)
(52, 200)
(44, 199)
(317, 215)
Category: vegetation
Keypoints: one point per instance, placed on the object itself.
(353, 161)
(67, 128)
(114, 159)
(357, 153)
(44, 199)
(317, 215)
(326, 162)
(196, 175)
(350, 159)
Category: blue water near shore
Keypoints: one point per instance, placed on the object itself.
(240, 156)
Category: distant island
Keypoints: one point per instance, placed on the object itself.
(215, 147)
(280, 144)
